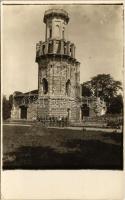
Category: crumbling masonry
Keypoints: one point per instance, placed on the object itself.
(58, 93)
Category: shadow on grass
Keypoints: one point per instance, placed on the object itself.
(91, 155)
(118, 138)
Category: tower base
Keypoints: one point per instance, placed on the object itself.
(59, 107)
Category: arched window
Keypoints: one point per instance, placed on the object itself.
(68, 87)
(70, 51)
(45, 86)
(50, 47)
(43, 48)
(85, 110)
(23, 114)
(68, 113)
(65, 50)
(57, 31)
(50, 32)
(63, 33)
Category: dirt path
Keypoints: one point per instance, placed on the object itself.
(107, 130)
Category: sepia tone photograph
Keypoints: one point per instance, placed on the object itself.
(62, 86)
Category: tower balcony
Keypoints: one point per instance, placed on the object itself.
(55, 47)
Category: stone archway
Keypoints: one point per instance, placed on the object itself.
(23, 112)
(85, 110)
(68, 87)
(45, 86)
(68, 113)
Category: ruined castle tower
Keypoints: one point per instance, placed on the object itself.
(58, 95)
(58, 70)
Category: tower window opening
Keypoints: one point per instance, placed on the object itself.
(57, 31)
(50, 32)
(70, 51)
(63, 33)
(45, 86)
(43, 48)
(68, 88)
(64, 49)
(85, 110)
(50, 48)
(23, 114)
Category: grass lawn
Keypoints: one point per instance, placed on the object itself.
(36, 147)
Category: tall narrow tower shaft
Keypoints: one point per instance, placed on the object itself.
(58, 69)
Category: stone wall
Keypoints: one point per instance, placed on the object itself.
(57, 106)
(15, 112)
(54, 46)
(43, 107)
(63, 87)
(57, 72)
(97, 107)
(32, 111)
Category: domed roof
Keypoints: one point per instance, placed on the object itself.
(56, 13)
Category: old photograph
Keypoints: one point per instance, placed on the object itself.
(62, 86)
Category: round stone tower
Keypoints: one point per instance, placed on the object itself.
(58, 70)
(56, 21)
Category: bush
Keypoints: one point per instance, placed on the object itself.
(114, 124)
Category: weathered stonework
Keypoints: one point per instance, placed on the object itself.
(32, 111)
(15, 112)
(59, 71)
(92, 106)
(25, 106)
(59, 92)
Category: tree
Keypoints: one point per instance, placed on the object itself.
(86, 89)
(116, 105)
(10, 101)
(7, 106)
(103, 86)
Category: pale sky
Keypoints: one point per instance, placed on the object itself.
(96, 30)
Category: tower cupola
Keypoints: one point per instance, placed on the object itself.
(56, 21)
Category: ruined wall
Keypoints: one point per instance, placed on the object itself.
(43, 107)
(15, 112)
(57, 72)
(32, 111)
(97, 107)
(55, 106)
(63, 80)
